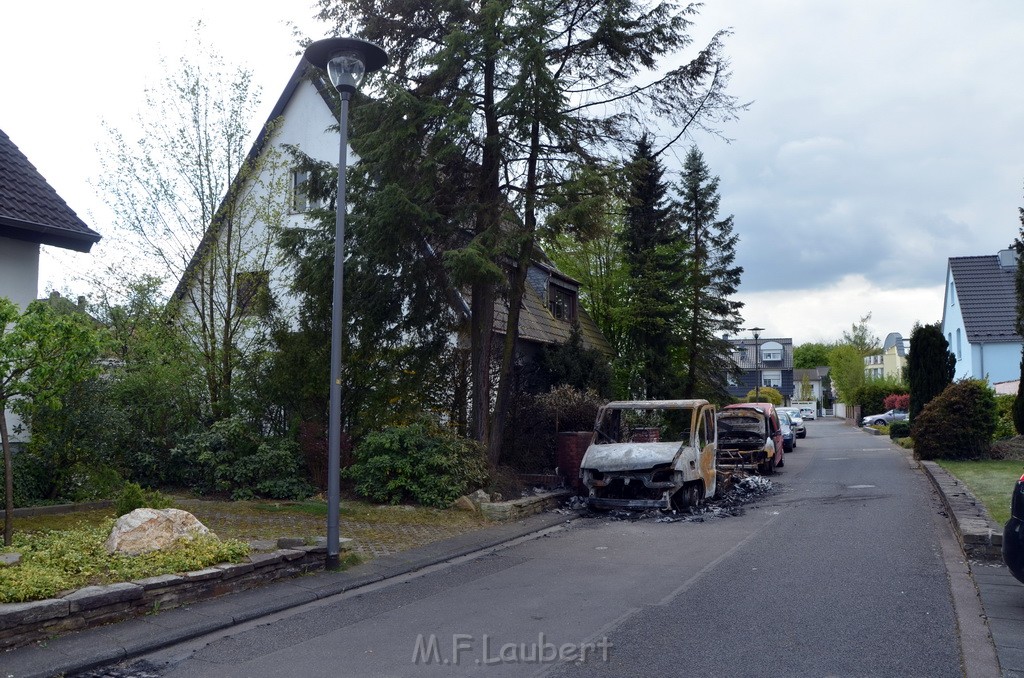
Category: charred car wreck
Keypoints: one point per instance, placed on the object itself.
(651, 454)
(749, 438)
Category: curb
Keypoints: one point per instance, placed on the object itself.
(980, 537)
(101, 646)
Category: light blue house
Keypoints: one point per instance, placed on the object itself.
(979, 315)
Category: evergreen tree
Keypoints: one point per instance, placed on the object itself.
(1018, 246)
(930, 366)
(712, 279)
(484, 102)
(655, 264)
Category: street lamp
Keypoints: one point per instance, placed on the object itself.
(757, 364)
(346, 61)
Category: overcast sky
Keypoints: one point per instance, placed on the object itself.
(883, 137)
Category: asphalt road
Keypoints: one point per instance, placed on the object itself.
(837, 572)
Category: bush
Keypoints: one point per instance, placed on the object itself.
(956, 424)
(419, 462)
(535, 421)
(33, 479)
(873, 396)
(1004, 417)
(766, 394)
(230, 458)
(133, 497)
(899, 429)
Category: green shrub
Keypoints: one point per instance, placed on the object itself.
(899, 429)
(33, 480)
(230, 458)
(872, 395)
(1004, 417)
(956, 424)
(535, 421)
(419, 462)
(132, 497)
(765, 394)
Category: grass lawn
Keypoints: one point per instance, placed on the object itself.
(990, 481)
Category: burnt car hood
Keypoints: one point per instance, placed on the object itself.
(630, 456)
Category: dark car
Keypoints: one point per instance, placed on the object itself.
(788, 431)
(1013, 533)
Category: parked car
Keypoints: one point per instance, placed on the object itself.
(796, 420)
(1013, 533)
(788, 432)
(750, 435)
(651, 454)
(885, 418)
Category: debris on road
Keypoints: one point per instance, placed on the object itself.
(732, 503)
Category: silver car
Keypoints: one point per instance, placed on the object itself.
(796, 421)
(885, 418)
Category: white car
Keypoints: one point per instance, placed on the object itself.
(796, 420)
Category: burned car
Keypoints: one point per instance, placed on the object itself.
(650, 454)
(750, 436)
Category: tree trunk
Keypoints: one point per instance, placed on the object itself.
(5, 439)
(488, 226)
(515, 302)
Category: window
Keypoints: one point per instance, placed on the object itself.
(301, 202)
(958, 343)
(952, 294)
(562, 302)
(252, 292)
(772, 378)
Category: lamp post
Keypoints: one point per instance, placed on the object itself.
(346, 61)
(757, 364)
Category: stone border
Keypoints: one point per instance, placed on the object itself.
(515, 509)
(980, 536)
(24, 623)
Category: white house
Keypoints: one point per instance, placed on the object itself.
(31, 214)
(979, 315)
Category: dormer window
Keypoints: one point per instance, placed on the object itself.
(562, 302)
(771, 351)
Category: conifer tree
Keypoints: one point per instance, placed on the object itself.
(712, 280)
(930, 366)
(1018, 246)
(655, 262)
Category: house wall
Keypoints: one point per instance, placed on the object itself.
(953, 328)
(19, 282)
(306, 124)
(19, 271)
(996, 362)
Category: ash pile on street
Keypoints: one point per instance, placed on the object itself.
(744, 491)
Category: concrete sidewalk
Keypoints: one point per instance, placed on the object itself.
(1002, 596)
(82, 651)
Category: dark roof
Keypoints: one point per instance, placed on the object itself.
(31, 210)
(747, 360)
(813, 374)
(537, 324)
(987, 298)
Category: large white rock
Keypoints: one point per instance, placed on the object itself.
(145, 529)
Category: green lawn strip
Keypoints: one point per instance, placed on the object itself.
(990, 481)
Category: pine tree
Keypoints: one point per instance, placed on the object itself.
(712, 279)
(930, 366)
(654, 261)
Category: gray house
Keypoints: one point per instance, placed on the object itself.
(769, 360)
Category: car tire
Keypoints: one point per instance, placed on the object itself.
(879, 422)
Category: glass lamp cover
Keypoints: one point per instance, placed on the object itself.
(346, 71)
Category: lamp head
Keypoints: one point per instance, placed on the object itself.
(346, 60)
